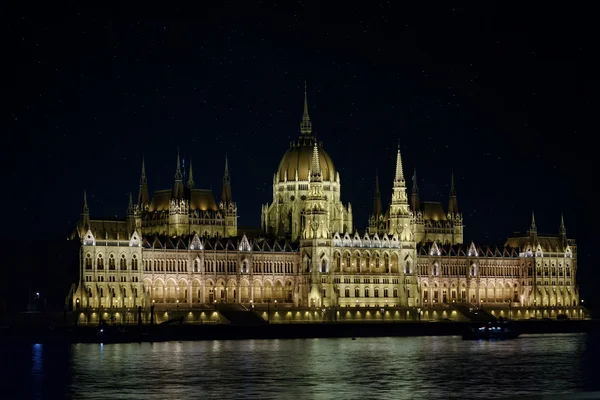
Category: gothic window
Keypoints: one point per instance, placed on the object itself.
(376, 292)
(101, 292)
(134, 263)
(324, 293)
(347, 263)
(386, 262)
(100, 262)
(324, 266)
(385, 292)
(356, 292)
(123, 263)
(366, 292)
(347, 292)
(407, 293)
(377, 260)
(395, 292)
(111, 262)
(88, 261)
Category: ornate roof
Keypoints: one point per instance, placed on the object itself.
(298, 159)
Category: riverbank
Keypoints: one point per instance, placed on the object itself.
(157, 333)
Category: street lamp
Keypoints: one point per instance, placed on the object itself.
(419, 314)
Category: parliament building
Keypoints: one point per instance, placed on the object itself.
(180, 249)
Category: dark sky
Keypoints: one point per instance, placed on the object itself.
(506, 97)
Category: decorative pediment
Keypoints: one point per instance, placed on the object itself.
(366, 240)
(356, 242)
(435, 250)
(337, 240)
(347, 240)
(473, 250)
(196, 243)
(89, 239)
(375, 242)
(385, 241)
(244, 244)
(538, 251)
(134, 240)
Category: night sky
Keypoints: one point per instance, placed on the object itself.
(506, 97)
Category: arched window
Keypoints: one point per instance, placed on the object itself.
(100, 262)
(385, 292)
(134, 263)
(347, 262)
(324, 266)
(366, 292)
(123, 263)
(395, 292)
(356, 292)
(111, 262)
(347, 292)
(376, 292)
(88, 261)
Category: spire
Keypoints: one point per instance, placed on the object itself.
(315, 174)
(305, 125)
(376, 198)
(143, 193)
(178, 187)
(415, 202)
(226, 198)
(178, 174)
(452, 203)
(86, 209)
(533, 231)
(399, 177)
(190, 181)
(130, 206)
(415, 188)
(563, 233)
(533, 228)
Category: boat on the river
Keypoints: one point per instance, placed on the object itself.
(498, 329)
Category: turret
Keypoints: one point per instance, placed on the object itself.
(143, 193)
(415, 201)
(399, 209)
(190, 182)
(178, 186)
(130, 216)
(562, 233)
(533, 231)
(84, 220)
(226, 198)
(452, 203)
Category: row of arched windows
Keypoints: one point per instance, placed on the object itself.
(111, 262)
(367, 292)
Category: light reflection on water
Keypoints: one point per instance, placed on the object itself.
(383, 368)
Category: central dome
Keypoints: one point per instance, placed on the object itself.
(298, 158)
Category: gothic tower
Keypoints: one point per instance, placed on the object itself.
(227, 205)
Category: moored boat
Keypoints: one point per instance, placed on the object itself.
(500, 329)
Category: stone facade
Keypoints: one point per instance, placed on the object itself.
(180, 250)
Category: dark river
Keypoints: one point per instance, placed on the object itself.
(378, 368)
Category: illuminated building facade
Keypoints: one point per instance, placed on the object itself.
(182, 249)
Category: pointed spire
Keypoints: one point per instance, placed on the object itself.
(178, 187)
(563, 233)
(376, 197)
(415, 202)
(143, 193)
(415, 188)
(452, 203)
(316, 165)
(86, 209)
(178, 174)
(399, 177)
(130, 206)
(305, 125)
(533, 227)
(563, 229)
(143, 177)
(226, 197)
(190, 181)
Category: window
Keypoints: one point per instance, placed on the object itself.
(111, 262)
(123, 263)
(385, 292)
(88, 261)
(324, 293)
(376, 292)
(356, 292)
(347, 292)
(100, 262)
(366, 292)
(134, 263)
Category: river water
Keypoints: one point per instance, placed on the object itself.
(379, 368)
